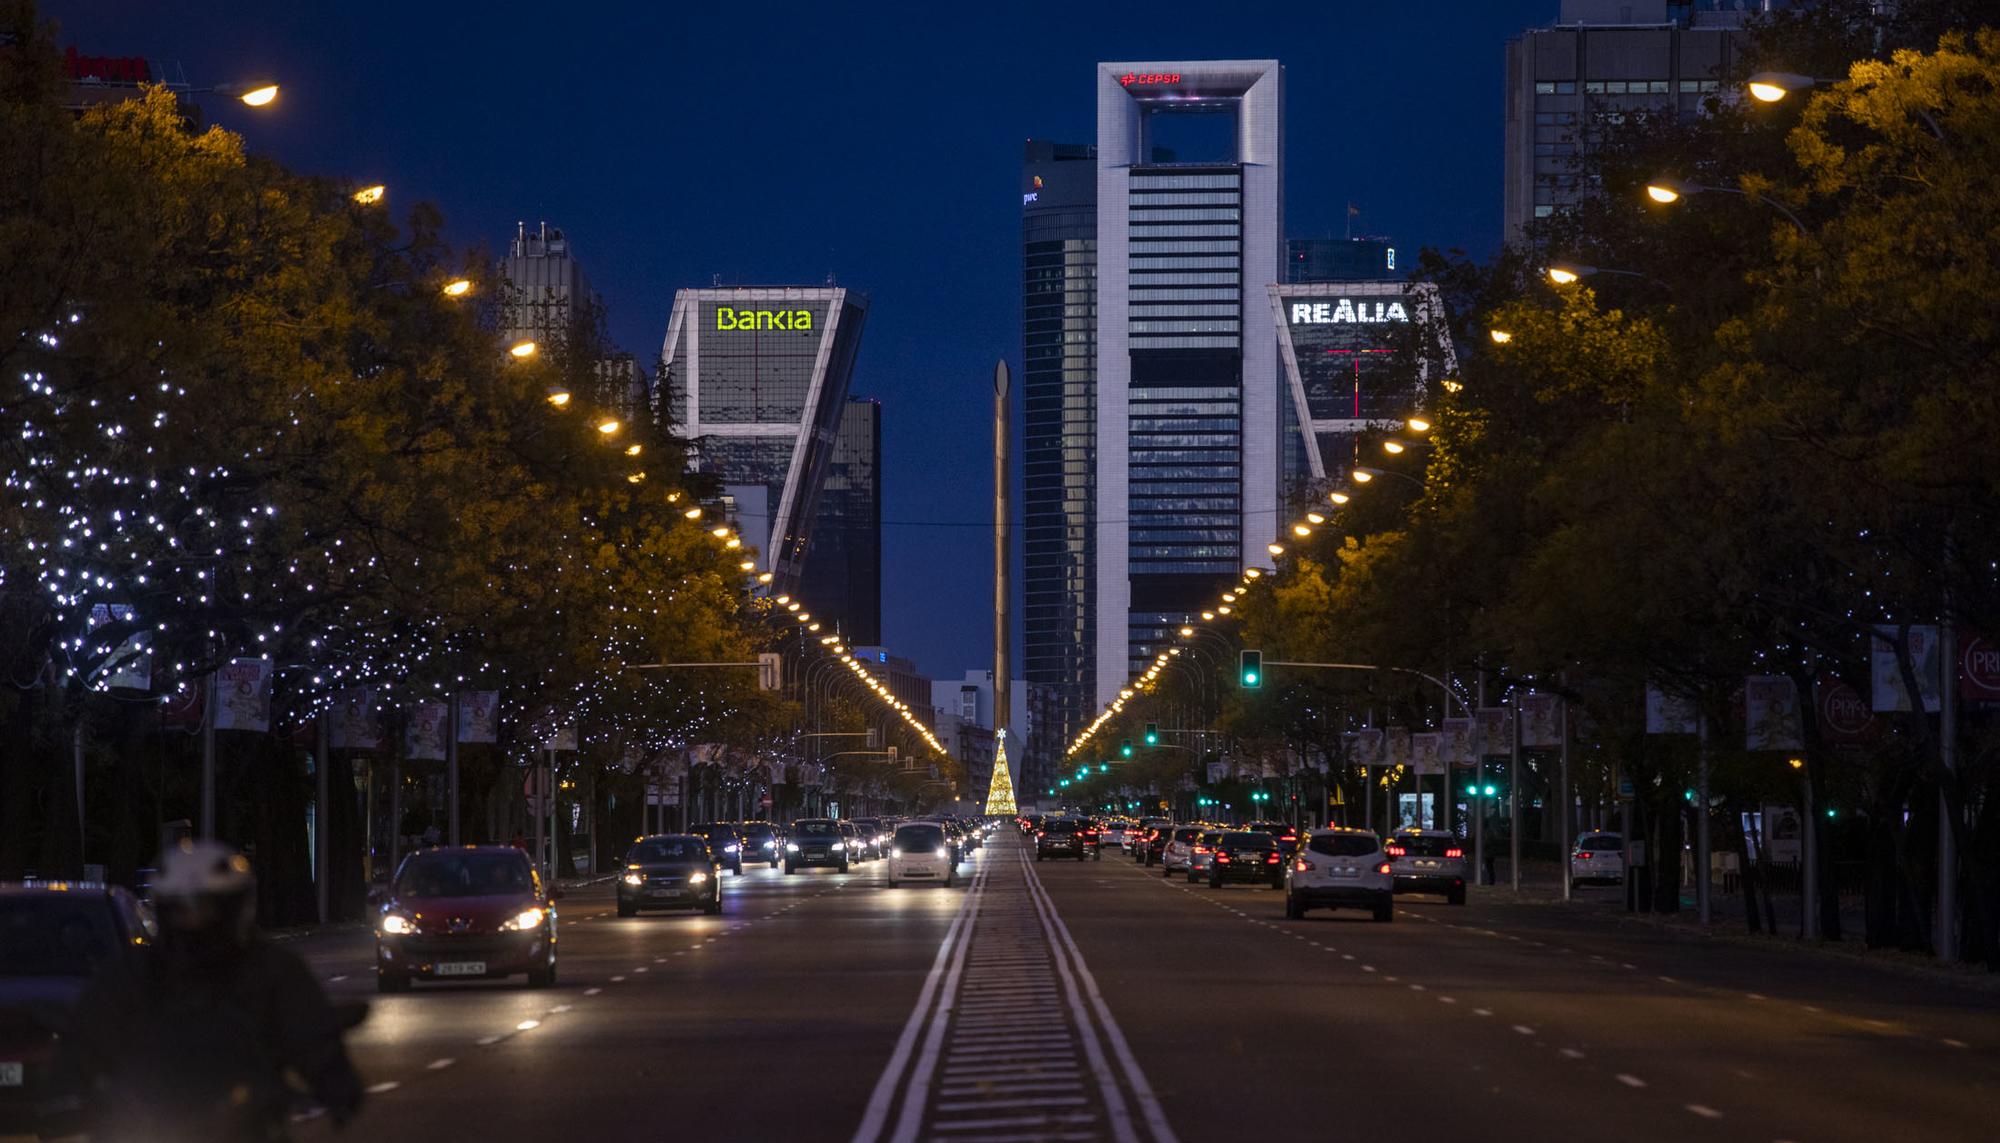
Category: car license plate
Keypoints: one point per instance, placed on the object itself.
(1348, 874)
(663, 892)
(461, 968)
(12, 1073)
(1427, 865)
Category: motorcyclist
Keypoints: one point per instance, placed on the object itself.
(212, 1032)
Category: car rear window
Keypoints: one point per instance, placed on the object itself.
(667, 849)
(1248, 840)
(1060, 827)
(1609, 841)
(54, 935)
(451, 873)
(1420, 846)
(1211, 837)
(919, 837)
(1186, 835)
(1344, 844)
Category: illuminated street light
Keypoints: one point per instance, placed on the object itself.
(1418, 425)
(1186, 631)
(525, 349)
(1275, 549)
(1301, 531)
(1666, 190)
(608, 426)
(633, 450)
(1363, 475)
(262, 96)
(369, 196)
(1339, 497)
(1772, 86)
(1499, 336)
(457, 288)
(1315, 518)
(1393, 448)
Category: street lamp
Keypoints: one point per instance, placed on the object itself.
(1417, 425)
(370, 195)
(608, 426)
(261, 96)
(1339, 497)
(457, 288)
(1667, 191)
(1569, 273)
(1772, 86)
(1501, 336)
(523, 349)
(1364, 475)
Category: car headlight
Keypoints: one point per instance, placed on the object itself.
(770, 845)
(397, 925)
(697, 877)
(731, 848)
(791, 847)
(895, 853)
(944, 854)
(839, 846)
(526, 919)
(635, 879)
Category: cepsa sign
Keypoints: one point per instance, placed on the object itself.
(729, 318)
(111, 69)
(1149, 79)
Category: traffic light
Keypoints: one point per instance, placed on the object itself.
(1083, 772)
(1250, 670)
(1152, 734)
(1492, 791)
(1125, 748)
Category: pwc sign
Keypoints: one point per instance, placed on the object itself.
(1979, 670)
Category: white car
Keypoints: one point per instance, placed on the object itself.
(919, 852)
(1597, 859)
(1114, 833)
(1340, 869)
(1179, 851)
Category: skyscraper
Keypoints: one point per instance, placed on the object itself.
(1190, 190)
(546, 298)
(843, 570)
(1059, 437)
(756, 380)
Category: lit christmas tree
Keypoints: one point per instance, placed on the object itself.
(1000, 795)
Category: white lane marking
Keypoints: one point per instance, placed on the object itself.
(527, 1025)
(559, 1008)
(641, 968)
(1368, 968)
(440, 1064)
(1417, 988)
(1704, 1111)
(592, 991)
(1569, 1053)
(1630, 1080)
(1447, 1000)
(487, 1041)
(1482, 1012)
(1950, 1043)
(1667, 980)
(1524, 1030)
(617, 980)
(337, 977)
(384, 1087)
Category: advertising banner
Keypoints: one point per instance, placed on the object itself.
(1668, 714)
(356, 725)
(1843, 715)
(1493, 732)
(424, 731)
(183, 707)
(1218, 772)
(1396, 746)
(1426, 752)
(478, 717)
(1784, 835)
(1541, 721)
(1771, 714)
(1368, 747)
(243, 695)
(1890, 694)
(1978, 670)
(1457, 744)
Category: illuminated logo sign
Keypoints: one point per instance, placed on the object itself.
(1030, 198)
(110, 69)
(1149, 79)
(730, 318)
(1346, 310)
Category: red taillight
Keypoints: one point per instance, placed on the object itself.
(1289, 837)
(1041, 833)
(1396, 851)
(1201, 849)
(1454, 852)
(1583, 855)
(1223, 858)
(1271, 858)
(1382, 868)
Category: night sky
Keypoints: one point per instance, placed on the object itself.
(780, 143)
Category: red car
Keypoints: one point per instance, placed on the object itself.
(474, 912)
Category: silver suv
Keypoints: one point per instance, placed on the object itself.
(1179, 850)
(1201, 855)
(1340, 869)
(1428, 861)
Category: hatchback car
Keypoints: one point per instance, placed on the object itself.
(1597, 859)
(1152, 840)
(1340, 869)
(1059, 837)
(670, 871)
(1247, 856)
(53, 936)
(1201, 855)
(1428, 861)
(476, 911)
(1177, 852)
(874, 837)
(815, 841)
(760, 842)
(917, 852)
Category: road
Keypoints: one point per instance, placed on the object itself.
(1096, 1000)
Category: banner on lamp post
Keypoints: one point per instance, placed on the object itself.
(355, 724)
(1494, 732)
(1668, 714)
(1427, 752)
(1887, 673)
(1368, 747)
(1541, 721)
(1396, 746)
(478, 717)
(243, 695)
(1771, 719)
(424, 731)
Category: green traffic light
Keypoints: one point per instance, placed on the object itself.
(1492, 790)
(1125, 748)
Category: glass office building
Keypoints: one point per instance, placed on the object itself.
(843, 572)
(1190, 183)
(1059, 439)
(756, 379)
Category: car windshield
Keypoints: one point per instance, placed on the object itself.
(1601, 841)
(54, 935)
(1418, 845)
(459, 874)
(758, 832)
(1344, 844)
(919, 837)
(668, 849)
(824, 831)
(1247, 841)
(1062, 827)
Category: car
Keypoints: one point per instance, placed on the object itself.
(1114, 832)
(1201, 855)
(1247, 856)
(1092, 836)
(1428, 861)
(761, 842)
(723, 844)
(1597, 859)
(1031, 824)
(1340, 868)
(917, 852)
(857, 850)
(874, 837)
(1059, 837)
(1287, 836)
(670, 871)
(1178, 848)
(53, 936)
(471, 912)
(954, 838)
(815, 841)
(1152, 842)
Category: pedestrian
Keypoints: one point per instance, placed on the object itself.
(213, 1031)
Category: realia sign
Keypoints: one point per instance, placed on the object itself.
(730, 318)
(1347, 310)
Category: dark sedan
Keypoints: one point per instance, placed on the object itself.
(670, 872)
(1247, 857)
(815, 841)
(53, 935)
(724, 845)
(468, 913)
(761, 842)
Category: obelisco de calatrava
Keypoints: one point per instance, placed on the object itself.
(1000, 795)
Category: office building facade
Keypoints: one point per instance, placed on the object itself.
(1600, 60)
(843, 568)
(1059, 439)
(1341, 260)
(756, 381)
(546, 298)
(1188, 413)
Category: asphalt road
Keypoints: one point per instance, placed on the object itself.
(1096, 1000)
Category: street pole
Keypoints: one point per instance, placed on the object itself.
(1563, 830)
(451, 769)
(323, 796)
(82, 834)
(1946, 941)
(1702, 904)
(1514, 797)
(1473, 805)
(1809, 886)
(208, 705)
(395, 811)
(535, 803)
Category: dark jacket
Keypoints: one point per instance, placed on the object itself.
(192, 1044)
